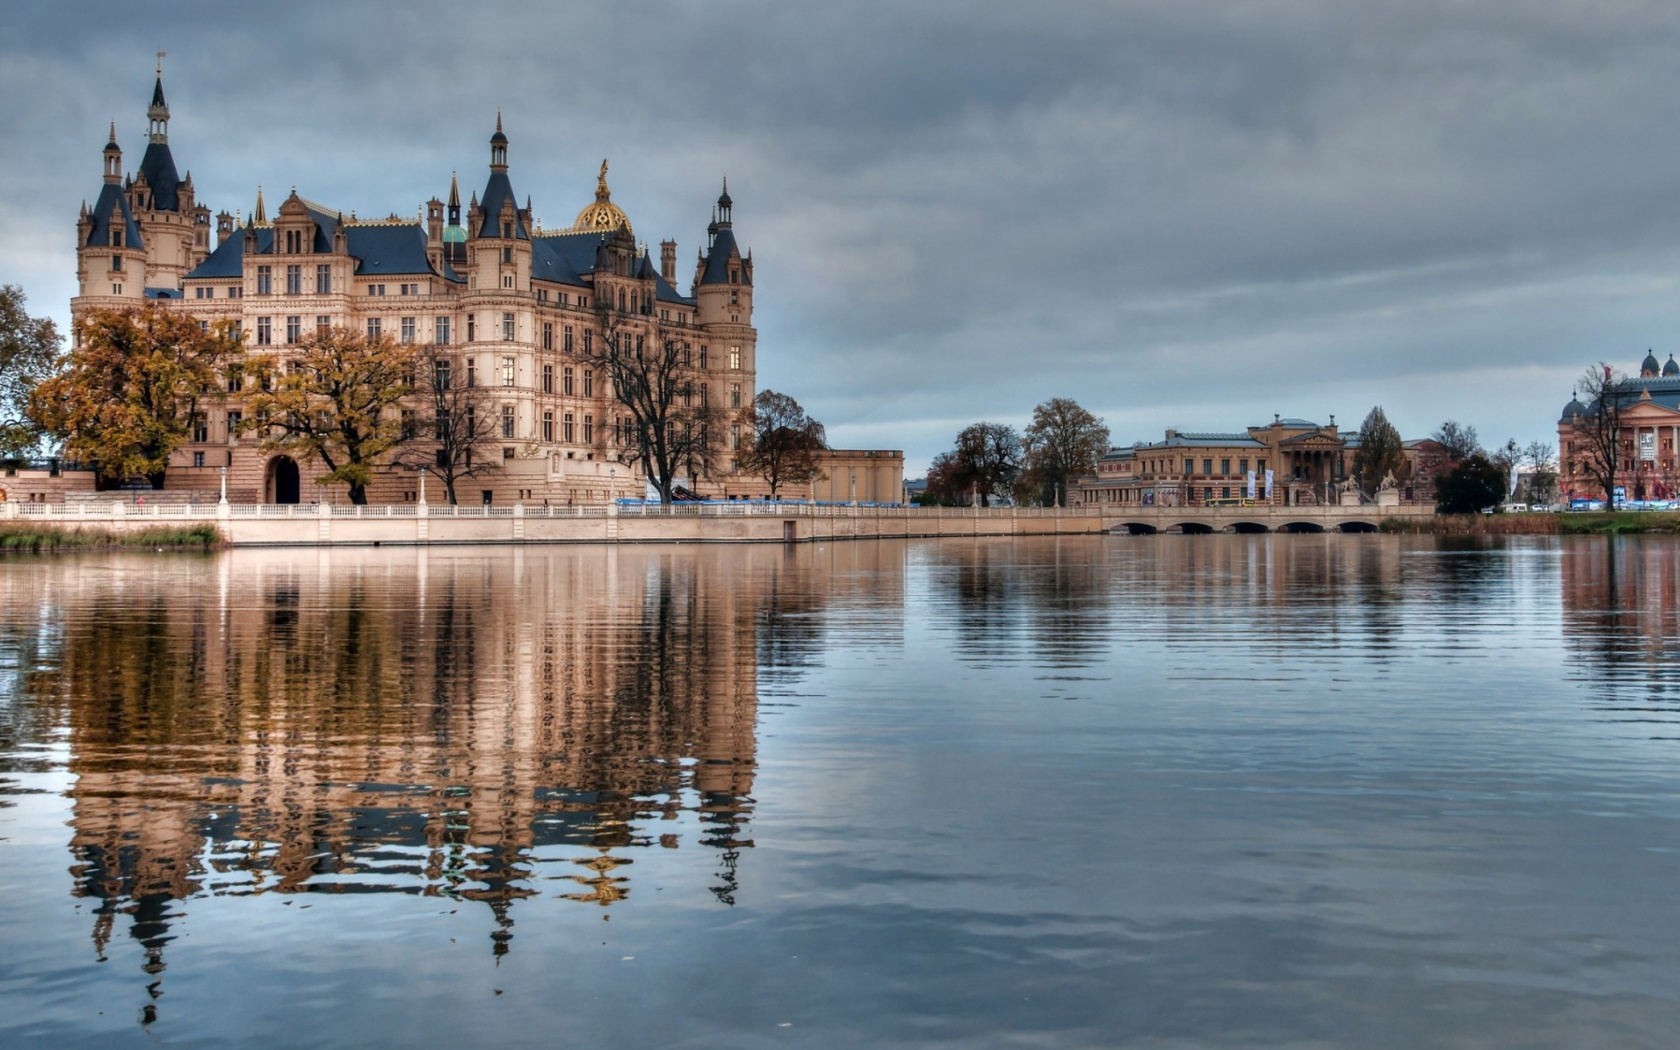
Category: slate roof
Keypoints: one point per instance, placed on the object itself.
(158, 165)
(497, 191)
(565, 257)
(112, 204)
(717, 262)
(395, 249)
(1183, 440)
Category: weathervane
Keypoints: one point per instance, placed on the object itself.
(161, 56)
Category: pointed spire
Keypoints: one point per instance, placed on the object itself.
(454, 191)
(158, 112)
(259, 214)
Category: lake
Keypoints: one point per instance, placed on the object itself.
(1162, 792)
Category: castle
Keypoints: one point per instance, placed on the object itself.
(526, 312)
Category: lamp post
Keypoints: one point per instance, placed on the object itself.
(224, 486)
(423, 472)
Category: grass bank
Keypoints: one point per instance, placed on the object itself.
(1572, 524)
(36, 538)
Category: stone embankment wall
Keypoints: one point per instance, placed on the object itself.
(269, 524)
(247, 524)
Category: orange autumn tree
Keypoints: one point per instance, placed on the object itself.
(132, 388)
(334, 399)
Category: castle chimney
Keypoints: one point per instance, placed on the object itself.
(668, 261)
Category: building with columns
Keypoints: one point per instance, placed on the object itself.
(1288, 462)
(1649, 464)
(524, 311)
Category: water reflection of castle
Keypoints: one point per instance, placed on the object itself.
(459, 725)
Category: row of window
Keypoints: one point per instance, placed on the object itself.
(1159, 466)
(441, 335)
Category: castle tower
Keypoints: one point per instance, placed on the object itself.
(723, 294)
(110, 247)
(500, 253)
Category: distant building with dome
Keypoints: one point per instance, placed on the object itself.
(1648, 406)
(524, 309)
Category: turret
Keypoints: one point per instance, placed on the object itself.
(113, 158)
(723, 284)
(157, 114)
(434, 235)
(668, 261)
(503, 264)
(224, 228)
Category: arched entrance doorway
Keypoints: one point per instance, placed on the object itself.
(282, 483)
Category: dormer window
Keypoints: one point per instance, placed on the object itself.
(734, 276)
(116, 237)
(507, 229)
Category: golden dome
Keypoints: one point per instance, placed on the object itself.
(603, 214)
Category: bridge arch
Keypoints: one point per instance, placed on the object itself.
(1358, 526)
(1135, 528)
(1192, 528)
(1249, 526)
(1301, 526)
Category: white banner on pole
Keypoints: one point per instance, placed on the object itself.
(1251, 484)
(1268, 483)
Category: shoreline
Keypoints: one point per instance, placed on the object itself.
(34, 538)
(1542, 523)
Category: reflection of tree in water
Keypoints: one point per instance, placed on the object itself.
(466, 733)
(1047, 602)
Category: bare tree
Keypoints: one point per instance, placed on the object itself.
(786, 442)
(1595, 434)
(1508, 458)
(673, 425)
(1542, 463)
(453, 438)
(1062, 442)
(988, 459)
(1458, 439)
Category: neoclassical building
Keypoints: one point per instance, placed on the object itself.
(1288, 462)
(1648, 467)
(524, 310)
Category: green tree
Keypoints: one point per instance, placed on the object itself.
(331, 401)
(29, 348)
(132, 389)
(1474, 484)
(1062, 442)
(1381, 452)
(786, 442)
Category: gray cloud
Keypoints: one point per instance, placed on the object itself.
(1180, 214)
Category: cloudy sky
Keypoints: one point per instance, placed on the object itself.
(1181, 214)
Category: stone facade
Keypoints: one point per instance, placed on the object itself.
(526, 312)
